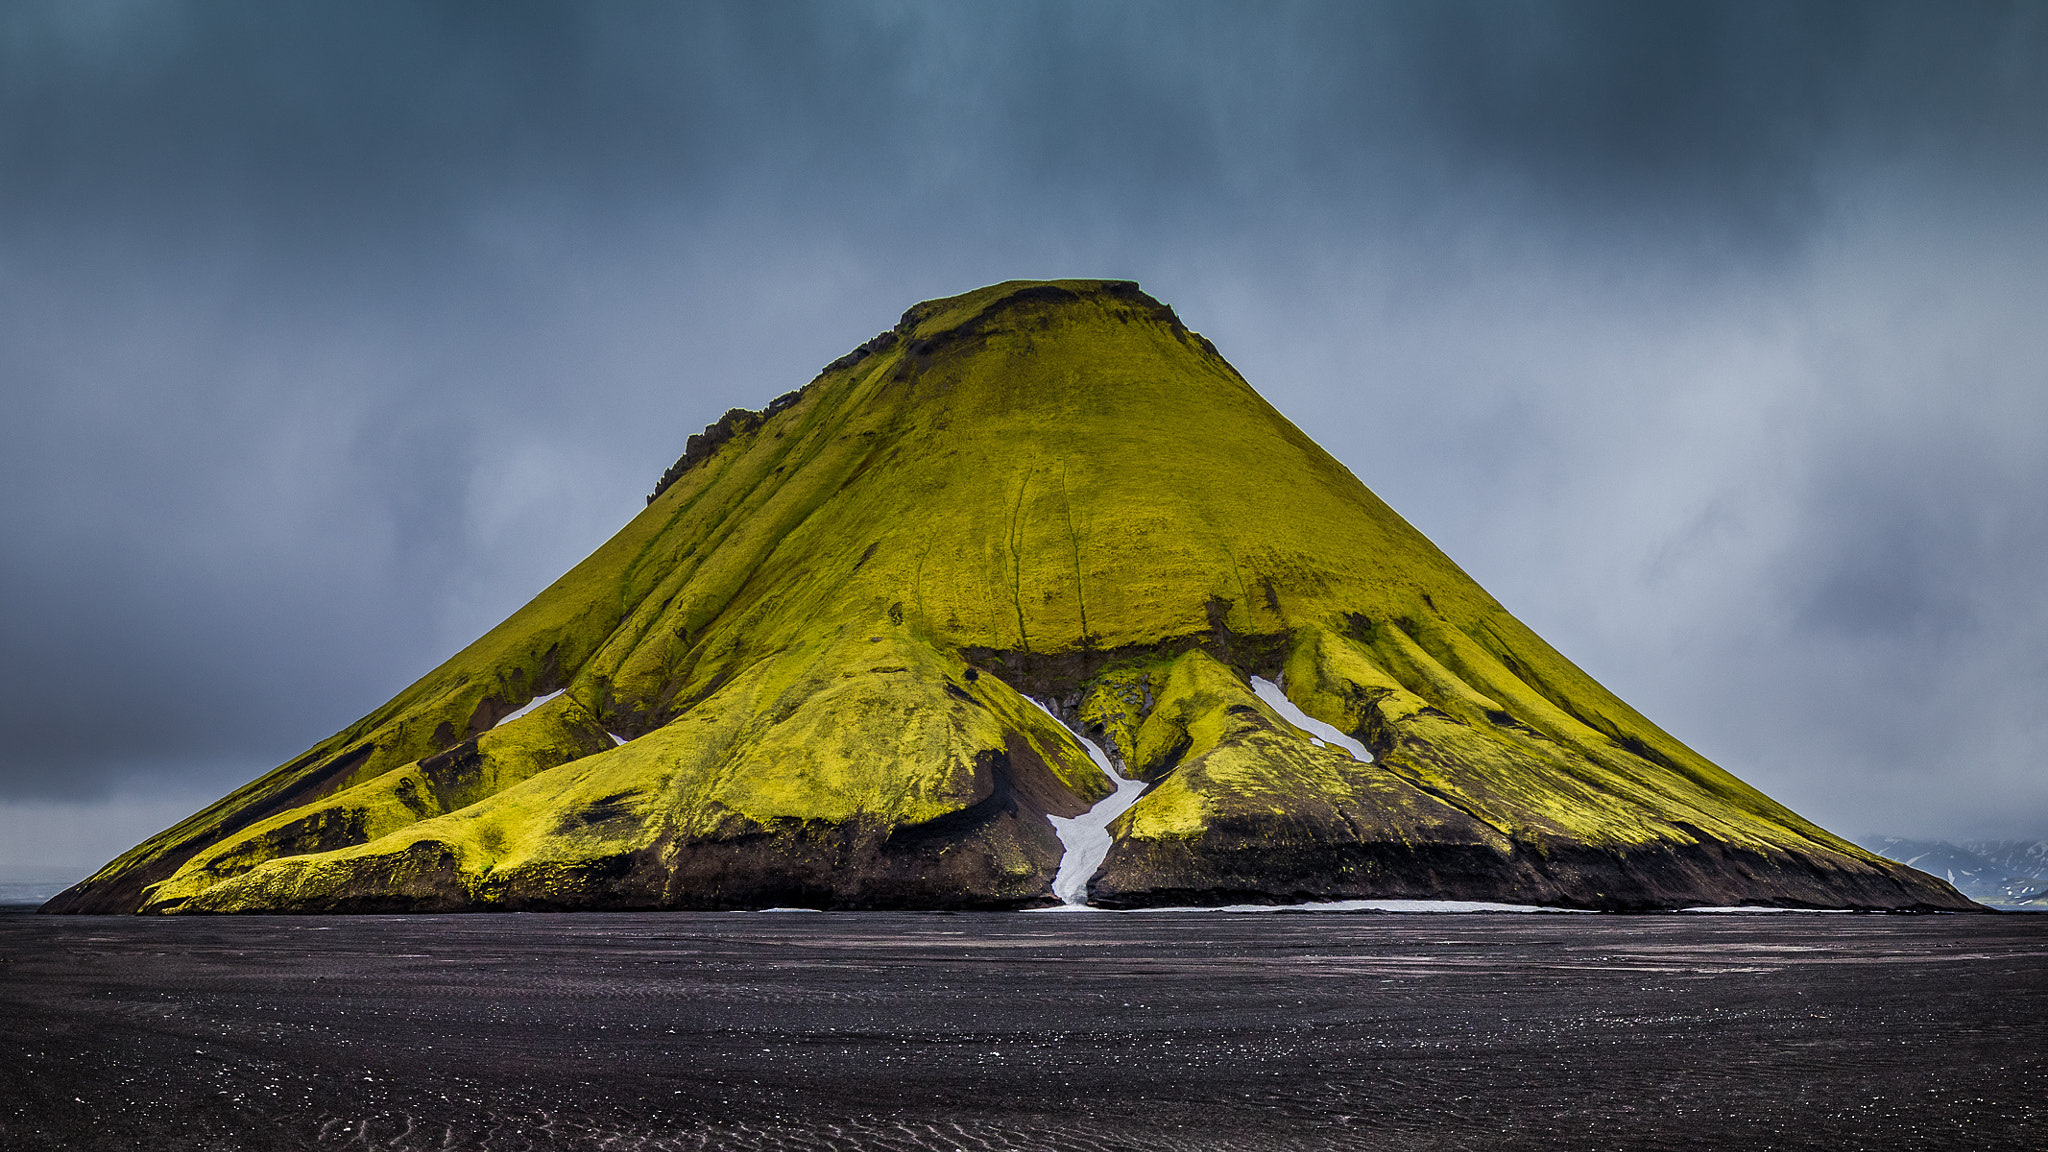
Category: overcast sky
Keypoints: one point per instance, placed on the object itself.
(1713, 340)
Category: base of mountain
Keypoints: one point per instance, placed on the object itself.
(1242, 869)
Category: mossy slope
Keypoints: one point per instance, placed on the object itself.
(814, 638)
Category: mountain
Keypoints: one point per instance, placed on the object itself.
(1996, 872)
(853, 651)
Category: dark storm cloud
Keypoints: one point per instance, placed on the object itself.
(329, 333)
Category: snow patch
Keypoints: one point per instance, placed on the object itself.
(1277, 700)
(536, 702)
(1086, 836)
(616, 739)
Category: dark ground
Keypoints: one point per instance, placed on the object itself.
(1061, 1030)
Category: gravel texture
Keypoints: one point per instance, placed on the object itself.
(1035, 1030)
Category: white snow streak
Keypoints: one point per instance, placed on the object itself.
(1087, 836)
(536, 702)
(1277, 700)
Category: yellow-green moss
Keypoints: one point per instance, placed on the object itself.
(1118, 700)
(1228, 758)
(1046, 470)
(553, 734)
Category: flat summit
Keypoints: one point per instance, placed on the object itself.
(848, 655)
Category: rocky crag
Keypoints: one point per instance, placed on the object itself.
(799, 677)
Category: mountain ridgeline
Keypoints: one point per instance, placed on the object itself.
(1996, 873)
(800, 677)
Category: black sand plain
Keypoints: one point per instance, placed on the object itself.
(1040, 1030)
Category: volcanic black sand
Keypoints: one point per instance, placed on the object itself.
(1053, 1030)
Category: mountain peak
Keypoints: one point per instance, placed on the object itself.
(855, 649)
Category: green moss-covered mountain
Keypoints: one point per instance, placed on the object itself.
(799, 677)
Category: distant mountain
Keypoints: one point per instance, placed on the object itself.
(852, 654)
(1997, 872)
(33, 886)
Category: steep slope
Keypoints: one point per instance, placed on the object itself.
(815, 641)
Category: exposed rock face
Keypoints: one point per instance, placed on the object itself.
(798, 678)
